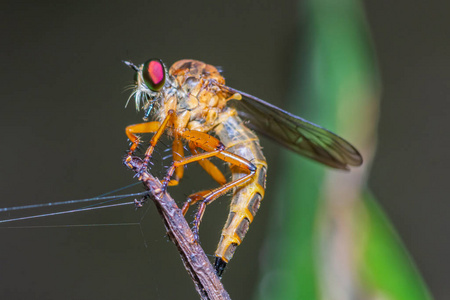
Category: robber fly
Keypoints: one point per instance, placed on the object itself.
(193, 105)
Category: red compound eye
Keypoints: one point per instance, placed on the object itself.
(154, 74)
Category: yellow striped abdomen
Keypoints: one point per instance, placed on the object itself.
(240, 140)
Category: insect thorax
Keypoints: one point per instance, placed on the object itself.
(194, 93)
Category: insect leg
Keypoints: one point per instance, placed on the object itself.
(177, 154)
(212, 170)
(209, 167)
(210, 144)
(131, 131)
(213, 148)
(192, 199)
(146, 128)
(185, 161)
(216, 193)
(207, 197)
(169, 119)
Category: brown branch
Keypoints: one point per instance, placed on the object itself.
(207, 283)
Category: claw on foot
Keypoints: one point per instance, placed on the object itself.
(128, 162)
(196, 238)
(140, 203)
(195, 232)
(142, 170)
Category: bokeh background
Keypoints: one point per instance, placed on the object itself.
(63, 119)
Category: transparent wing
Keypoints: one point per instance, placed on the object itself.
(295, 133)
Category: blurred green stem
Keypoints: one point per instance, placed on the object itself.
(327, 231)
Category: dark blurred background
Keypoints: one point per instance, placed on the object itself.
(63, 119)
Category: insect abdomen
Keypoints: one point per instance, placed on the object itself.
(240, 140)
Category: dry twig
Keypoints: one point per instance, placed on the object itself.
(203, 275)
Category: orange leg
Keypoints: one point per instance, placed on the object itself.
(185, 161)
(170, 119)
(213, 195)
(212, 170)
(213, 148)
(192, 199)
(147, 128)
(209, 167)
(210, 144)
(177, 154)
(131, 131)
